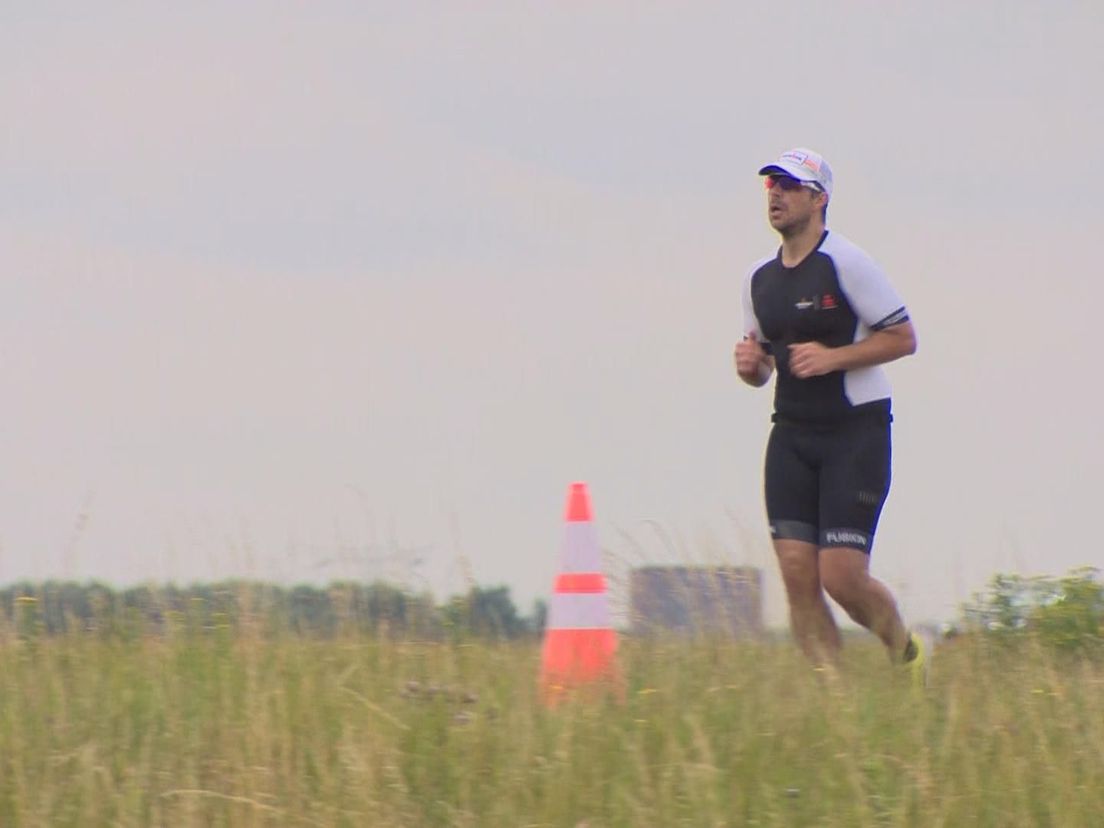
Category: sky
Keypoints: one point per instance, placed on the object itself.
(303, 292)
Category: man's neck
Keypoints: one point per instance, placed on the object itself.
(799, 244)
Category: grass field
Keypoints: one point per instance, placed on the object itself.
(218, 728)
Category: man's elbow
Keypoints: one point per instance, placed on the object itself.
(905, 334)
(910, 342)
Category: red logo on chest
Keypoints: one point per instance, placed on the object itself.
(828, 302)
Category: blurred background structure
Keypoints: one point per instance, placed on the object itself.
(697, 600)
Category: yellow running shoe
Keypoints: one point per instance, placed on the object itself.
(916, 660)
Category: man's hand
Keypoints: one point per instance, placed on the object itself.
(811, 359)
(752, 363)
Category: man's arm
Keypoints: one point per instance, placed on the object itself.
(812, 359)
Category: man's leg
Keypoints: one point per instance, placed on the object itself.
(845, 574)
(814, 629)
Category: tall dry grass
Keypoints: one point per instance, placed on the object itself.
(218, 727)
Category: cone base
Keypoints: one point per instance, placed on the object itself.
(573, 659)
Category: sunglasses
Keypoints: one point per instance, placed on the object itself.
(788, 184)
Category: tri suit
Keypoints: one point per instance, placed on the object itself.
(829, 454)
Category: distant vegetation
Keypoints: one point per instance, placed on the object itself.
(55, 608)
(1065, 614)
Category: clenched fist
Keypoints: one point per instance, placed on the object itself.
(811, 359)
(752, 363)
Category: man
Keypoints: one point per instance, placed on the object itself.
(822, 314)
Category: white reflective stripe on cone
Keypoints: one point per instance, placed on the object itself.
(580, 551)
(578, 610)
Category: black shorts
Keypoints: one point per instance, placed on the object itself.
(827, 484)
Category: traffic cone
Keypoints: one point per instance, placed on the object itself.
(580, 644)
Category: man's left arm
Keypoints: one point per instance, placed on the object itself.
(877, 305)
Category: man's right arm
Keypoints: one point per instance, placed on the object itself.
(753, 363)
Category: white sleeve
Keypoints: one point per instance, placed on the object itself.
(751, 321)
(873, 298)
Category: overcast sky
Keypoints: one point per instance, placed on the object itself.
(305, 291)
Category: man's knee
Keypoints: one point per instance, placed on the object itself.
(797, 563)
(843, 575)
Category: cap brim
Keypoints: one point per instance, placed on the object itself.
(792, 170)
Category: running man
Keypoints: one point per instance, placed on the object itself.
(823, 315)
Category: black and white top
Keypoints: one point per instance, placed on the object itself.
(836, 296)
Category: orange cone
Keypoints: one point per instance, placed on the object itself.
(580, 643)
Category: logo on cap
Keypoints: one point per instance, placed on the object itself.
(801, 158)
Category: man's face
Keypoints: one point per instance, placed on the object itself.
(791, 204)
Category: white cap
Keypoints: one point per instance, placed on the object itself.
(804, 165)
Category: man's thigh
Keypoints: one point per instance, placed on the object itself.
(854, 483)
(792, 488)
